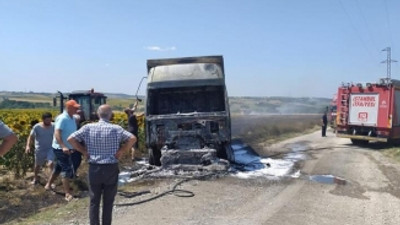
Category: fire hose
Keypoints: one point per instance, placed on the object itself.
(174, 190)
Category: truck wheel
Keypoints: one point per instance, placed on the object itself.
(221, 152)
(354, 141)
(394, 142)
(230, 156)
(359, 142)
(154, 157)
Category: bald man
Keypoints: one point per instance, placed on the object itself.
(104, 145)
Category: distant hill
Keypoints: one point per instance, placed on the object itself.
(27, 96)
(120, 96)
(238, 105)
(43, 95)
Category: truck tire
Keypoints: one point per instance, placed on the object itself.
(359, 142)
(394, 141)
(230, 156)
(221, 152)
(154, 157)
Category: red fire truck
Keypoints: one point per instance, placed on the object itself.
(369, 112)
(333, 113)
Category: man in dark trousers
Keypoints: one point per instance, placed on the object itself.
(104, 145)
(133, 126)
(64, 126)
(324, 124)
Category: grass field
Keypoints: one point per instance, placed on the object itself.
(240, 105)
(256, 129)
(121, 104)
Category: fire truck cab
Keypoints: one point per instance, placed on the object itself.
(369, 112)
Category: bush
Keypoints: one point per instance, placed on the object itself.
(17, 161)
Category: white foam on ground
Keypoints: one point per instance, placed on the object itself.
(295, 157)
(251, 165)
(277, 168)
(124, 177)
(297, 174)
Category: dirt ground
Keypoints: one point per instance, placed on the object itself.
(370, 194)
(368, 191)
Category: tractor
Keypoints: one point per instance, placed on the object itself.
(89, 101)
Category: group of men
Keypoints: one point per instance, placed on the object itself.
(102, 143)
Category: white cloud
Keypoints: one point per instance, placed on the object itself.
(160, 49)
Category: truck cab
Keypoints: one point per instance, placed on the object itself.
(187, 106)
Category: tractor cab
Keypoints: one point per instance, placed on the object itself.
(89, 101)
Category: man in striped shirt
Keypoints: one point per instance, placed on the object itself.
(104, 145)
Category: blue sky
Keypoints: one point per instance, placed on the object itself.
(271, 48)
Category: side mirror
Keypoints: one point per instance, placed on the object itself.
(55, 101)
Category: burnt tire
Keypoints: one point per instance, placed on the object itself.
(221, 153)
(155, 156)
(230, 156)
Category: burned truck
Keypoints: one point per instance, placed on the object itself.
(187, 109)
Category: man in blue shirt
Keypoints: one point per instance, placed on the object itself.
(104, 145)
(64, 126)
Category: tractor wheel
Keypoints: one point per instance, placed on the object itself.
(154, 157)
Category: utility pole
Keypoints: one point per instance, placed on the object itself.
(388, 61)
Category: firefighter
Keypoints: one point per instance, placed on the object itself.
(324, 124)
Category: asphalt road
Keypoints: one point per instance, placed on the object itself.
(370, 194)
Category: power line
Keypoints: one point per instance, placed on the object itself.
(366, 25)
(356, 31)
(388, 61)
(388, 23)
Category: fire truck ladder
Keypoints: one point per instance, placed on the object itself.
(344, 105)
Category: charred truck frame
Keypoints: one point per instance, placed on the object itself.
(187, 109)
